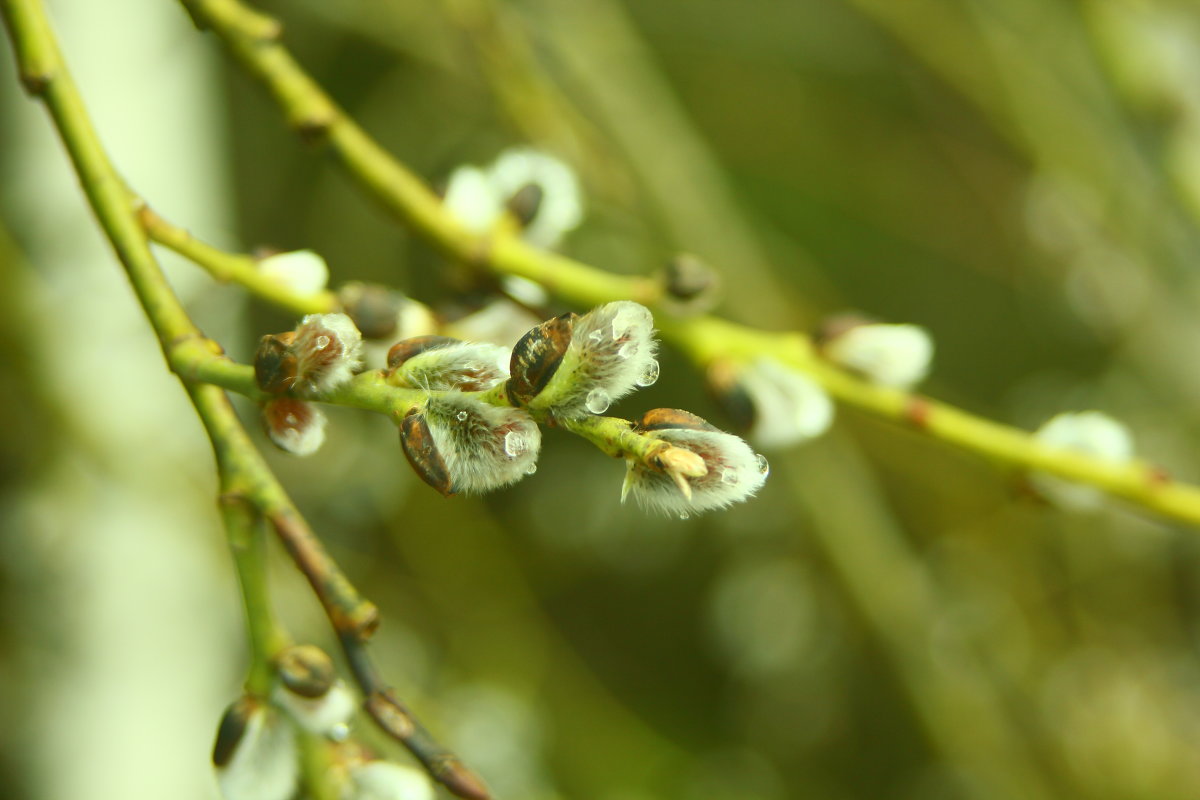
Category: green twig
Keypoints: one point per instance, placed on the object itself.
(705, 339)
(246, 481)
(234, 267)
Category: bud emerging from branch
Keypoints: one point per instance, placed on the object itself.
(780, 405)
(441, 363)
(386, 780)
(574, 366)
(255, 753)
(457, 443)
(689, 285)
(302, 271)
(294, 426)
(705, 468)
(1090, 433)
(887, 354)
(320, 354)
(311, 693)
(540, 195)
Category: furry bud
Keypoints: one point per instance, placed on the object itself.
(387, 780)
(705, 468)
(441, 363)
(294, 426)
(457, 443)
(780, 405)
(302, 271)
(889, 355)
(328, 349)
(574, 366)
(1090, 433)
(255, 753)
(380, 312)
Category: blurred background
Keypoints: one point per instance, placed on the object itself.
(889, 618)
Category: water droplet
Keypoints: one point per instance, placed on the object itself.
(684, 515)
(340, 732)
(649, 374)
(761, 462)
(597, 401)
(532, 468)
(729, 477)
(322, 342)
(515, 444)
(461, 416)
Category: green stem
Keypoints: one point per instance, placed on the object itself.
(234, 267)
(704, 339)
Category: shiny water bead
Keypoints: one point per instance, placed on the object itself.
(597, 401)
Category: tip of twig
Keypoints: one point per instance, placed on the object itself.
(462, 782)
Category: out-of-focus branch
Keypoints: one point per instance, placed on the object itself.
(246, 481)
(253, 39)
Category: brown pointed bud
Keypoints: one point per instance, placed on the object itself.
(691, 284)
(657, 419)
(525, 203)
(374, 309)
(275, 363)
(422, 453)
(306, 670)
(232, 728)
(537, 356)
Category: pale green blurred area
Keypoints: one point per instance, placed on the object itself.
(889, 618)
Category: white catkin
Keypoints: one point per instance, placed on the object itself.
(893, 355)
(450, 366)
(263, 766)
(326, 715)
(484, 447)
(325, 374)
(611, 353)
(735, 473)
(1090, 433)
(789, 407)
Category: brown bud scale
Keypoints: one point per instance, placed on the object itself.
(421, 452)
(306, 670)
(232, 728)
(657, 419)
(536, 358)
(275, 364)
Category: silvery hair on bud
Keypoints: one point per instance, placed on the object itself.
(328, 349)
(483, 447)
(255, 755)
(466, 366)
(611, 354)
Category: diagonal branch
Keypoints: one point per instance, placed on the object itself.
(254, 41)
(245, 477)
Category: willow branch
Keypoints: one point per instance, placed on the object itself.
(245, 477)
(254, 41)
(233, 267)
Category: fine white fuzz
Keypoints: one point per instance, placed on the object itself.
(328, 350)
(328, 715)
(1091, 433)
(561, 207)
(889, 355)
(294, 426)
(302, 271)
(789, 407)
(466, 366)
(386, 780)
(479, 197)
(732, 473)
(611, 353)
(263, 764)
(480, 447)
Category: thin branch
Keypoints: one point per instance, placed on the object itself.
(253, 39)
(233, 267)
(244, 474)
